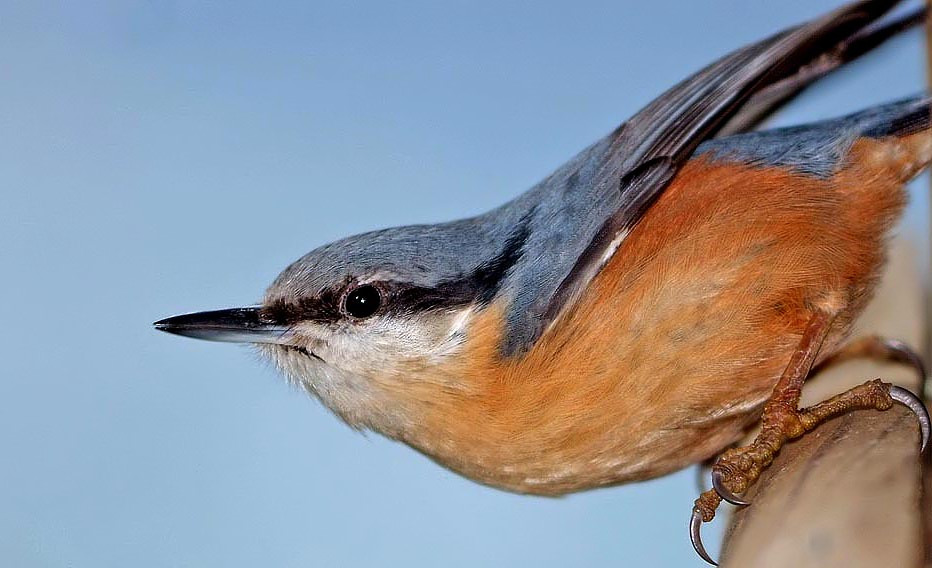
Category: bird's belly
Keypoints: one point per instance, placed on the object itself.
(674, 382)
(672, 349)
(649, 402)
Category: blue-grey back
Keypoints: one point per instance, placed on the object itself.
(816, 148)
(571, 204)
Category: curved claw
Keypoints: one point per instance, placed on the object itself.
(912, 402)
(718, 483)
(695, 536)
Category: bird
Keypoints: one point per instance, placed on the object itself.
(640, 308)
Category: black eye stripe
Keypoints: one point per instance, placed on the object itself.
(323, 309)
(479, 285)
(395, 298)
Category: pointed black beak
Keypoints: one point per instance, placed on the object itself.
(237, 325)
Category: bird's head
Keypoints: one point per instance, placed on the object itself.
(358, 321)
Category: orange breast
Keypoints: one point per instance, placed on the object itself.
(677, 342)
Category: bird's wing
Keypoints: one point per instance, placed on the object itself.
(771, 99)
(641, 157)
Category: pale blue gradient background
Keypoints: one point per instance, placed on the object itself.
(162, 157)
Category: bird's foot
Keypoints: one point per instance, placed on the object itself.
(737, 469)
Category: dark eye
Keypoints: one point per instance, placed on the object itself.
(363, 301)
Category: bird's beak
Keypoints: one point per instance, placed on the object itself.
(237, 325)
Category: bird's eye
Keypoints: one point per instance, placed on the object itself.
(363, 301)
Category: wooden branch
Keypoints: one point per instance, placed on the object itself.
(849, 493)
(927, 481)
(928, 291)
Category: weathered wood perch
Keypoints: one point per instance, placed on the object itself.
(850, 493)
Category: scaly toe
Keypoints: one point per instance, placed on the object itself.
(718, 483)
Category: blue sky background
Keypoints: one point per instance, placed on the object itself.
(164, 157)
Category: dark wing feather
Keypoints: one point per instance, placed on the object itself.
(771, 99)
(649, 149)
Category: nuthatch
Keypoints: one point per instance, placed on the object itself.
(637, 310)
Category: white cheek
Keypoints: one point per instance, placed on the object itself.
(387, 344)
(357, 361)
(349, 396)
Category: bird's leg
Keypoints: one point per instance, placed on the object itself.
(738, 468)
(782, 420)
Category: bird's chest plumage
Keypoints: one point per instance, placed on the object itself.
(674, 346)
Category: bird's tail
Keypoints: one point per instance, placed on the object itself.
(900, 134)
